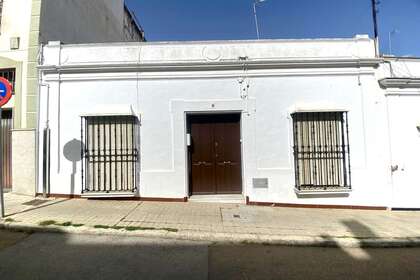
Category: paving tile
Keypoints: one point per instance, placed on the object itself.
(216, 218)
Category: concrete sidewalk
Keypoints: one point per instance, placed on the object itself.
(215, 222)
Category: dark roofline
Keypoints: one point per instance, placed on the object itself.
(135, 20)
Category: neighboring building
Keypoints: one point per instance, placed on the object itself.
(400, 78)
(265, 122)
(25, 26)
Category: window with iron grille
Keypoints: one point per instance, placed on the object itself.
(10, 75)
(321, 151)
(110, 155)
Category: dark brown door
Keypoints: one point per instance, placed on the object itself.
(215, 154)
(6, 126)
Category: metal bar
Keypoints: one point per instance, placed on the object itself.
(133, 176)
(337, 146)
(344, 153)
(121, 158)
(110, 153)
(104, 152)
(115, 153)
(81, 150)
(98, 159)
(348, 149)
(302, 146)
(330, 149)
(310, 149)
(126, 152)
(1, 173)
(87, 154)
(314, 149)
(46, 162)
(296, 150)
(93, 154)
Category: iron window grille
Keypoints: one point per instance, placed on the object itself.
(321, 151)
(10, 75)
(110, 155)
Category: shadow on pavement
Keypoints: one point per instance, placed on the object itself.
(67, 256)
(334, 262)
(37, 207)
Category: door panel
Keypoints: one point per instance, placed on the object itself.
(202, 165)
(215, 154)
(228, 155)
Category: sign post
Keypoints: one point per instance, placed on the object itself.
(5, 95)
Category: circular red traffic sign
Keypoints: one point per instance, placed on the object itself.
(5, 91)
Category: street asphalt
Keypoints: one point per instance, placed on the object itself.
(76, 256)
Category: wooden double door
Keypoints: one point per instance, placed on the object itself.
(215, 154)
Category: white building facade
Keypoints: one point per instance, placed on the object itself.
(276, 122)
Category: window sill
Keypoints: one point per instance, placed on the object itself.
(325, 192)
(107, 195)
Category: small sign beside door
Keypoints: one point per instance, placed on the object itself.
(260, 183)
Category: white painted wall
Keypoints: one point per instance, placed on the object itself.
(15, 22)
(162, 97)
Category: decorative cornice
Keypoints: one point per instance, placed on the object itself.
(400, 83)
(207, 66)
(106, 76)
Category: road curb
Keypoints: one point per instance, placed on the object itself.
(228, 238)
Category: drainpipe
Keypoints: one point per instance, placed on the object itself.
(46, 134)
(45, 145)
(391, 70)
(46, 148)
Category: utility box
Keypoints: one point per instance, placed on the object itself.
(14, 43)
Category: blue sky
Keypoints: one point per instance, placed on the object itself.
(179, 20)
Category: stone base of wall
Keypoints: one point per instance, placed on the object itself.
(23, 161)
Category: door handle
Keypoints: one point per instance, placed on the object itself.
(201, 163)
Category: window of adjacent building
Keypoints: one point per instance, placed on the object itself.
(10, 75)
(1, 12)
(109, 154)
(321, 151)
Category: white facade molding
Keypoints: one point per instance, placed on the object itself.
(210, 66)
(323, 192)
(400, 83)
(101, 110)
(161, 75)
(316, 107)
